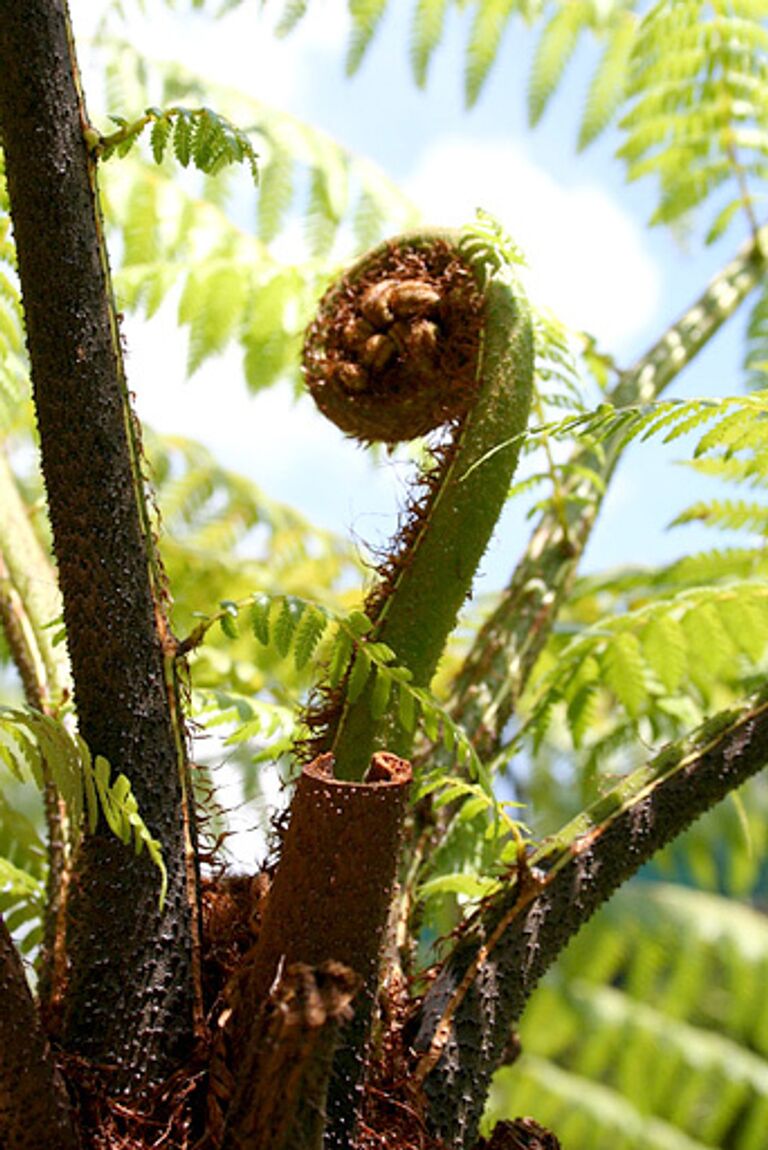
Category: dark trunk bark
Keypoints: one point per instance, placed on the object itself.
(34, 1107)
(283, 1084)
(130, 996)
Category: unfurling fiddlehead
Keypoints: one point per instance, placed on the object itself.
(430, 330)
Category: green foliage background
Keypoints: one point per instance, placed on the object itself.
(652, 1030)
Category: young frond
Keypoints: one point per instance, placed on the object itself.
(196, 135)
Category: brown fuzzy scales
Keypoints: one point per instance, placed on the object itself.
(393, 351)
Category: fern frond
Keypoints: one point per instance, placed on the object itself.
(293, 13)
(426, 30)
(556, 46)
(306, 631)
(175, 238)
(488, 27)
(36, 746)
(366, 16)
(727, 515)
(198, 135)
(607, 88)
(693, 640)
(698, 82)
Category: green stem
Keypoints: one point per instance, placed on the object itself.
(505, 649)
(434, 575)
(30, 576)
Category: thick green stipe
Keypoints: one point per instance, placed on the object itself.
(430, 578)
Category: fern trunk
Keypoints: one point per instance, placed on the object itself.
(34, 1107)
(129, 998)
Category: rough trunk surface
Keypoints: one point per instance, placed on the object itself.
(34, 1107)
(485, 983)
(130, 1000)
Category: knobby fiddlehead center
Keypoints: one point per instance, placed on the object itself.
(392, 353)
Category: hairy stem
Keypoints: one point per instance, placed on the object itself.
(496, 669)
(130, 993)
(482, 989)
(433, 575)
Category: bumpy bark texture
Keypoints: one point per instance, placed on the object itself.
(34, 1107)
(129, 1000)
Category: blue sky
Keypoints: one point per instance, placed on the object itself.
(582, 226)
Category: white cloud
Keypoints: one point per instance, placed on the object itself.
(286, 446)
(239, 50)
(588, 263)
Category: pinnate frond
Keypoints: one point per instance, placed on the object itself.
(698, 86)
(197, 136)
(689, 642)
(308, 632)
(33, 744)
